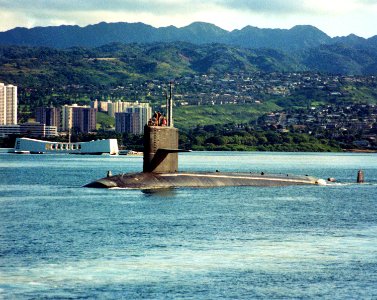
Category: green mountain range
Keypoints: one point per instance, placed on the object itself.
(299, 37)
(121, 50)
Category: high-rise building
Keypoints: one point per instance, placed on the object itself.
(143, 114)
(111, 109)
(51, 116)
(94, 104)
(78, 118)
(2, 104)
(127, 123)
(86, 119)
(133, 119)
(103, 106)
(121, 106)
(115, 107)
(8, 104)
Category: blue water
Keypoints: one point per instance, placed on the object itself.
(59, 240)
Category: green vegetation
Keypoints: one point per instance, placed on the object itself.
(229, 138)
(216, 138)
(104, 121)
(190, 116)
(302, 99)
(356, 94)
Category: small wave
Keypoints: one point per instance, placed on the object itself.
(321, 182)
(351, 184)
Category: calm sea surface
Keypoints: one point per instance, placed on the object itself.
(59, 240)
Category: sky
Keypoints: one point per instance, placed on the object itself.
(334, 17)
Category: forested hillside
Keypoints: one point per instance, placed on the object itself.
(115, 64)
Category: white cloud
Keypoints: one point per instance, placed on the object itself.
(261, 6)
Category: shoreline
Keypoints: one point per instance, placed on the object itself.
(139, 153)
(360, 150)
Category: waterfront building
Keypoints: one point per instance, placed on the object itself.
(26, 145)
(78, 118)
(36, 129)
(51, 131)
(30, 129)
(7, 130)
(8, 104)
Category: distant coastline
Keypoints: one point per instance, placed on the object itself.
(134, 153)
(360, 150)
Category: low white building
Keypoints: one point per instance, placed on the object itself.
(26, 145)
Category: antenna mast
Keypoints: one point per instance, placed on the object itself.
(169, 106)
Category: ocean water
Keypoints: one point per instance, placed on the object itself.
(59, 240)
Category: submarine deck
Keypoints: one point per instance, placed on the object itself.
(198, 179)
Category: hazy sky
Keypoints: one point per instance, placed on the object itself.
(334, 17)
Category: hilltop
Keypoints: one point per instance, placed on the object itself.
(299, 37)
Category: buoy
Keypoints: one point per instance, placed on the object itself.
(109, 174)
(360, 176)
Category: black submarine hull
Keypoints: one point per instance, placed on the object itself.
(150, 180)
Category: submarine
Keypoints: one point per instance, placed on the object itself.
(160, 166)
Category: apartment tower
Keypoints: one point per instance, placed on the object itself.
(78, 118)
(133, 119)
(8, 104)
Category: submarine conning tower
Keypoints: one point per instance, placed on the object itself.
(161, 143)
(160, 149)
